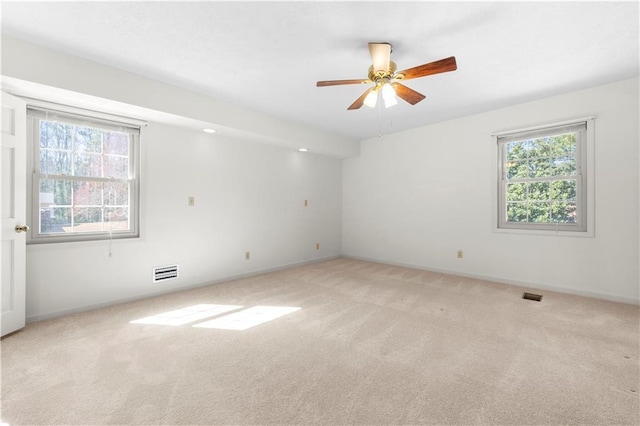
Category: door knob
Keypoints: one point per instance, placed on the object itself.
(21, 228)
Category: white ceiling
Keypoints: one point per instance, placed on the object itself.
(269, 55)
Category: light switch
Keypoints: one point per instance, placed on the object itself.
(192, 201)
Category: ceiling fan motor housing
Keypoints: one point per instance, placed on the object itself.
(380, 74)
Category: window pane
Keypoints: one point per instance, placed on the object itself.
(116, 166)
(564, 145)
(55, 220)
(116, 194)
(564, 166)
(88, 165)
(116, 143)
(517, 212)
(517, 191)
(517, 169)
(540, 167)
(539, 191)
(87, 194)
(55, 192)
(563, 212)
(87, 219)
(55, 135)
(541, 147)
(538, 212)
(55, 162)
(563, 190)
(515, 151)
(88, 139)
(116, 218)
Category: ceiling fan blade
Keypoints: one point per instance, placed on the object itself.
(380, 56)
(437, 67)
(407, 94)
(340, 82)
(360, 101)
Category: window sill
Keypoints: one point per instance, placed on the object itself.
(547, 233)
(84, 239)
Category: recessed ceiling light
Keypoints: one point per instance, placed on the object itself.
(303, 149)
(207, 130)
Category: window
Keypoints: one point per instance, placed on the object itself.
(85, 179)
(543, 178)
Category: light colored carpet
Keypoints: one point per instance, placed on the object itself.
(371, 344)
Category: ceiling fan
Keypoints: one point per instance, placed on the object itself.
(386, 80)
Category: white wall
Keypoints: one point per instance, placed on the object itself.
(416, 197)
(248, 197)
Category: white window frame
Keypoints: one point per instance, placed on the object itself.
(39, 109)
(585, 172)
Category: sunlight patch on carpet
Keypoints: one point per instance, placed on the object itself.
(248, 318)
(186, 315)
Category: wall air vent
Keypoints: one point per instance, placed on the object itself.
(164, 273)
(532, 296)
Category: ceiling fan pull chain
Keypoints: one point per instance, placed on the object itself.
(379, 119)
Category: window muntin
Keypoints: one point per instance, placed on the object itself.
(542, 179)
(85, 177)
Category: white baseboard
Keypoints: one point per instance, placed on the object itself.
(517, 283)
(524, 284)
(85, 308)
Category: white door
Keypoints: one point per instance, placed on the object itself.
(13, 168)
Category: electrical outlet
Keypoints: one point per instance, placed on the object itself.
(247, 255)
(460, 254)
(317, 246)
(192, 201)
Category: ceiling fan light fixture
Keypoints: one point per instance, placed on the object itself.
(389, 95)
(371, 98)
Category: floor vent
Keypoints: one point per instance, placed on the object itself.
(532, 296)
(163, 273)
